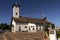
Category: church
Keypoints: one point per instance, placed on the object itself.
(25, 24)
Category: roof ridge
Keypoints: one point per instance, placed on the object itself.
(30, 17)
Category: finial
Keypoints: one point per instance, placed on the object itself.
(43, 15)
(16, 2)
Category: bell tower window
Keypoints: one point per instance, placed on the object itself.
(16, 13)
(16, 6)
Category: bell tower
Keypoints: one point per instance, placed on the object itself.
(16, 10)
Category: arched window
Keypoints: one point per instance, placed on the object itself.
(33, 28)
(25, 26)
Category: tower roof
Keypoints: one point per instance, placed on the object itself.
(15, 4)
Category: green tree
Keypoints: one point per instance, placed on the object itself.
(53, 26)
(4, 26)
(46, 27)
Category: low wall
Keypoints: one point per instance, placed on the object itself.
(58, 38)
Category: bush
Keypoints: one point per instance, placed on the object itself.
(58, 34)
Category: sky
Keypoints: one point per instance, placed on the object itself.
(31, 8)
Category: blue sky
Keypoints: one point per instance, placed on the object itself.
(31, 8)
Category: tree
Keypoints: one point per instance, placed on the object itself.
(53, 26)
(46, 27)
(4, 26)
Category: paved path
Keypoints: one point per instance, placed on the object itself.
(1, 36)
(14, 37)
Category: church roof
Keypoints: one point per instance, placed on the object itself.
(28, 19)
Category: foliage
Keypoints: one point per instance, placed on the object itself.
(47, 30)
(46, 27)
(53, 26)
(4, 26)
(58, 34)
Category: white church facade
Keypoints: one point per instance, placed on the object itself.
(19, 23)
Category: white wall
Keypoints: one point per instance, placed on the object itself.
(53, 36)
(14, 26)
(31, 26)
(41, 27)
(22, 25)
